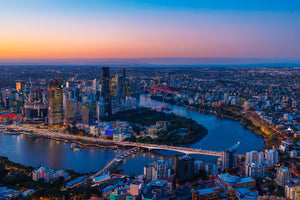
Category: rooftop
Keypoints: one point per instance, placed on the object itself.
(207, 190)
(158, 183)
(229, 179)
(284, 169)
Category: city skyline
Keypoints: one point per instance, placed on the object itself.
(92, 29)
(149, 100)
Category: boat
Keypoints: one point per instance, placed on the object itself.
(75, 147)
(119, 160)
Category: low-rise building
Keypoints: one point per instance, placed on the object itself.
(246, 194)
(207, 193)
(49, 175)
(229, 182)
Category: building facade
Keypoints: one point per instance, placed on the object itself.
(106, 93)
(55, 108)
(283, 176)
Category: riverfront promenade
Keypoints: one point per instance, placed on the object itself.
(27, 129)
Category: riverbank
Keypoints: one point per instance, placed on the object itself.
(245, 119)
(83, 141)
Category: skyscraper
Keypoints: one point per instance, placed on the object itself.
(184, 166)
(95, 85)
(55, 108)
(122, 88)
(106, 94)
(86, 115)
(229, 159)
(18, 86)
(70, 109)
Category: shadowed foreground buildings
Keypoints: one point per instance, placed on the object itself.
(55, 115)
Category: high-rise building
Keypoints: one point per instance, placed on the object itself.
(86, 115)
(95, 85)
(254, 157)
(148, 171)
(198, 165)
(211, 168)
(18, 86)
(229, 159)
(292, 192)
(100, 106)
(35, 111)
(271, 157)
(254, 170)
(106, 93)
(55, 114)
(161, 169)
(122, 85)
(115, 89)
(184, 168)
(283, 176)
(70, 109)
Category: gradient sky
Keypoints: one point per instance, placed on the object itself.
(146, 29)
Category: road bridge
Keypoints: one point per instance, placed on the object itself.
(184, 150)
(101, 171)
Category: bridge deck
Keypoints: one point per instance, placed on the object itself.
(106, 167)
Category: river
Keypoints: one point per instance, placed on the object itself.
(222, 133)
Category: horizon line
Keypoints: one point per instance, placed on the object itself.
(150, 61)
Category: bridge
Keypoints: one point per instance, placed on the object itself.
(165, 89)
(74, 138)
(184, 150)
(100, 172)
(84, 145)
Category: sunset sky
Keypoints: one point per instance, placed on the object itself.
(37, 29)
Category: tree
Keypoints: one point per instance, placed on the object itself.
(3, 171)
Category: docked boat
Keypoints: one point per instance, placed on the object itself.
(119, 160)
